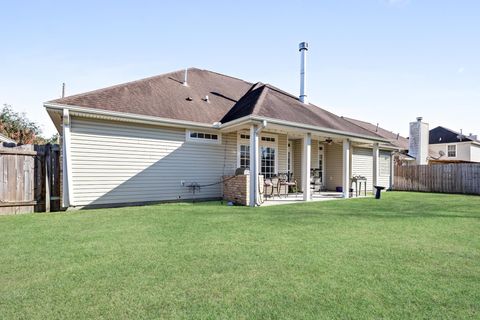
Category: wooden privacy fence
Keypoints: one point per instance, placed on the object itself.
(461, 178)
(29, 178)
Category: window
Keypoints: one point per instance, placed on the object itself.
(244, 156)
(205, 137)
(384, 164)
(267, 157)
(269, 139)
(267, 167)
(452, 151)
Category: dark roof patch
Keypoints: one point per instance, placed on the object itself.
(444, 135)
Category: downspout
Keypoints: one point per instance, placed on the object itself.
(66, 161)
(254, 142)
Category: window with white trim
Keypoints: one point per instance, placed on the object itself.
(204, 137)
(452, 150)
(268, 139)
(267, 157)
(384, 164)
(244, 156)
(267, 167)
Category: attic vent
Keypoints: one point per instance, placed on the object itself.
(206, 99)
(189, 99)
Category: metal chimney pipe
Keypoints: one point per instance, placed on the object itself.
(185, 83)
(303, 48)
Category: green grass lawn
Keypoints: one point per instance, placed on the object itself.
(408, 255)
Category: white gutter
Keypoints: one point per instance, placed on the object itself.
(303, 127)
(127, 116)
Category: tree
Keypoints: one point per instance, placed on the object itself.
(19, 128)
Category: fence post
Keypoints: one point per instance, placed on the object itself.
(48, 171)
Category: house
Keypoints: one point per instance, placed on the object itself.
(441, 145)
(158, 139)
(452, 146)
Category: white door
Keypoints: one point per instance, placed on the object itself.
(321, 163)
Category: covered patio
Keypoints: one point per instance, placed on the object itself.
(317, 161)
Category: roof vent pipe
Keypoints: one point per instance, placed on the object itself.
(185, 78)
(303, 48)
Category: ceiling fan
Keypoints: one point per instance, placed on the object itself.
(328, 141)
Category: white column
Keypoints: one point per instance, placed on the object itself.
(253, 186)
(375, 164)
(67, 198)
(306, 158)
(346, 168)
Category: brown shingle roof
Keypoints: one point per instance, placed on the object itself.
(165, 96)
(395, 139)
(230, 98)
(265, 100)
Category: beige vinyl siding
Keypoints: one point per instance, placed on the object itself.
(114, 162)
(333, 165)
(282, 153)
(362, 165)
(463, 151)
(297, 161)
(475, 153)
(384, 169)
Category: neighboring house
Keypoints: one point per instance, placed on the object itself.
(5, 139)
(449, 145)
(148, 140)
(441, 145)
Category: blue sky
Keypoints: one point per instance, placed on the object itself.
(384, 61)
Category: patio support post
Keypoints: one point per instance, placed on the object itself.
(346, 168)
(306, 158)
(375, 164)
(253, 186)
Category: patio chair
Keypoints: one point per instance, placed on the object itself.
(285, 182)
(275, 186)
(261, 190)
(267, 188)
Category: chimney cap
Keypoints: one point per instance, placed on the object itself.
(303, 46)
(419, 119)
